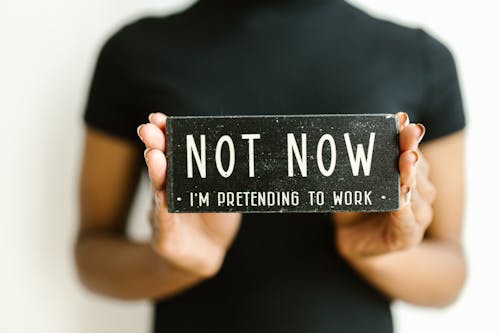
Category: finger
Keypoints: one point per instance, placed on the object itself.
(422, 210)
(157, 167)
(405, 194)
(403, 120)
(158, 119)
(423, 165)
(152, 136)
(425, 187)
(403, 230)
(164, 219)
(410, 137)
(160, 197)
(408, 168)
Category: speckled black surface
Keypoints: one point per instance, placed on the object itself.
(271, 163)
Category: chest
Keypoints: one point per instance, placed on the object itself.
(283, 74)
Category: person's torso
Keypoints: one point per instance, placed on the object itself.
(282, 273)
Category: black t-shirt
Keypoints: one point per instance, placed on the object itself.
(224, 57)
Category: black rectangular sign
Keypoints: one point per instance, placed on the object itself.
(313, 163)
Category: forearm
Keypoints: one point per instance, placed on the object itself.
(112, 265)
(430, 274)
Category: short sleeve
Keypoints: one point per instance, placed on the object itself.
(111, 105)
(442, 108)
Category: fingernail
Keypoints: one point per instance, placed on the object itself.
(422, 132)
(407, 198)
(403, 119)
(145, 155)
(150, 116)
(416, 157)
(138, 131)
(406, 191)
(157, 199)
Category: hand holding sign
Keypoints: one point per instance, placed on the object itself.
(364, 235)
(196, 242)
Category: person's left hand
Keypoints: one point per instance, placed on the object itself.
(362, 235)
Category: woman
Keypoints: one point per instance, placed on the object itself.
(273, 272)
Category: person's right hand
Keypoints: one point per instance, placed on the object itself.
(196, 242)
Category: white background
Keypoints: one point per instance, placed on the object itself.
(47, 54)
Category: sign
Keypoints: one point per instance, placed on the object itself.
(313, 163)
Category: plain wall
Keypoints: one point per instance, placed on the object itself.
(47, 54)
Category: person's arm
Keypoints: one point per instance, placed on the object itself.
(112, 265)
(184, 249)
(107, 261)
(415, 254)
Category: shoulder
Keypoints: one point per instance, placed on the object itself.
(126, 42)
(401, 37)
(421, 60)
(379, 27)
(143, 35)
(436, 55)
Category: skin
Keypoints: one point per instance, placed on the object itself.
(414, 254)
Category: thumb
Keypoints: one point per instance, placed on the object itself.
(164, 219)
